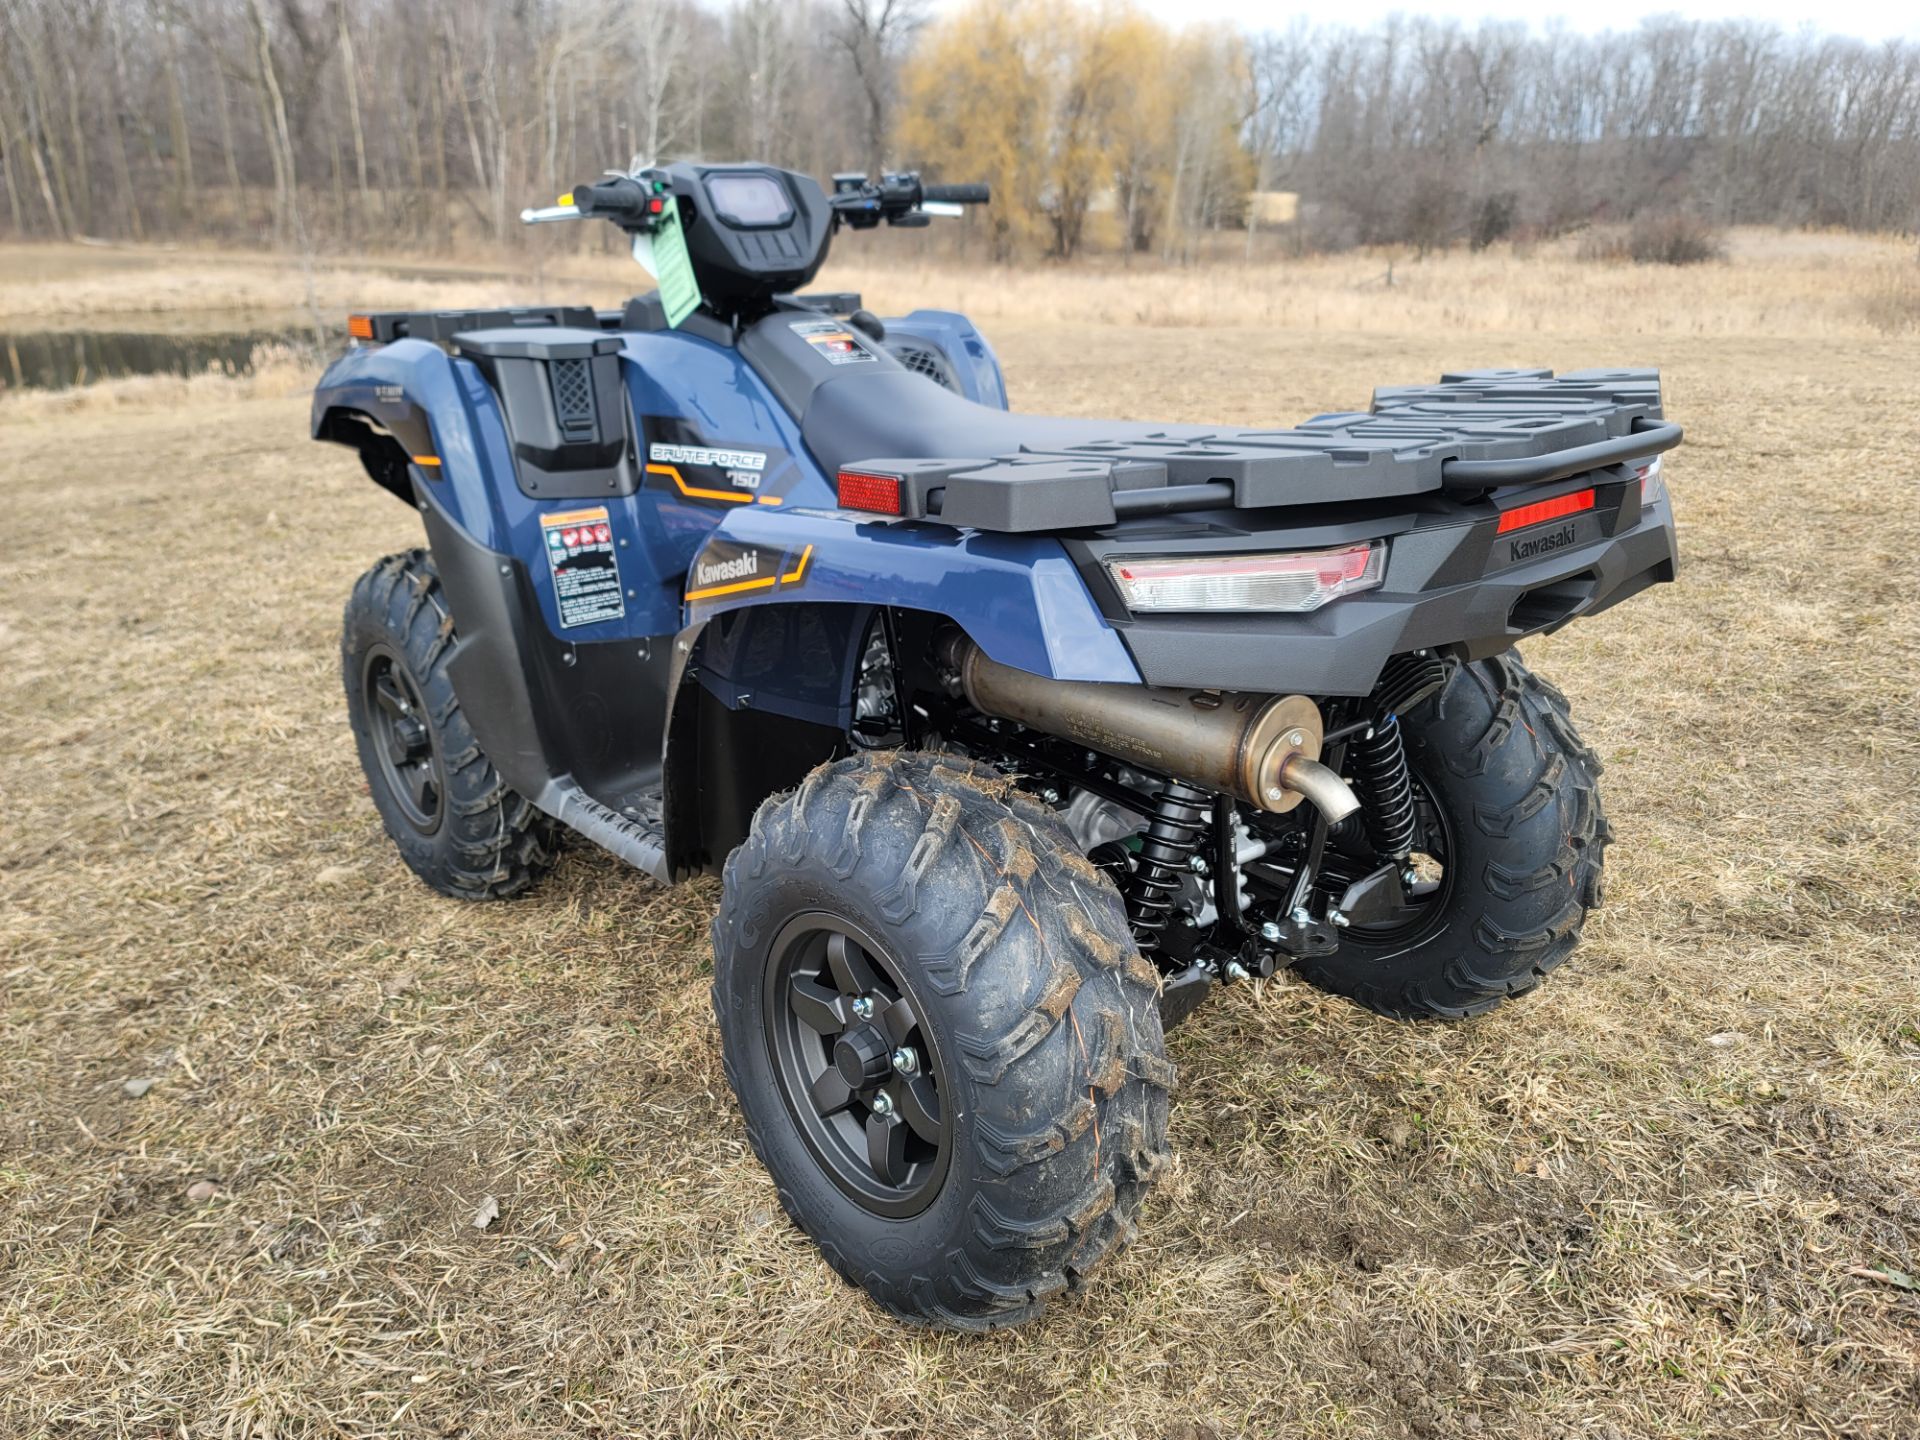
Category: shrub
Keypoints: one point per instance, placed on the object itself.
(1674, 240)
(1656, 240)
(1493, 218)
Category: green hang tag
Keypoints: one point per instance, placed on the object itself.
(673, 268)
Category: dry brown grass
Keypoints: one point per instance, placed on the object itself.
(59, 287)
(1786, 285)
(1677, 1193)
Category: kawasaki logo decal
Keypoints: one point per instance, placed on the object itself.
(1546, 544)
(727, 567)
(737, 568)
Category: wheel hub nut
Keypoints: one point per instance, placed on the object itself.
(905, 1061)
(863, 1007)
(861, 1057)
(883, 1104)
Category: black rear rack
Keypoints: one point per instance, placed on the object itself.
(1474, 431)
(440, 326)
(1647, 439)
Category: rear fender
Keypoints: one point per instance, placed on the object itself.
(778, 612)
(1018, 596)
(411, 409)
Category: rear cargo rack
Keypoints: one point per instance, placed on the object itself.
(440, 326)
(1472, 432)
(1648, 438)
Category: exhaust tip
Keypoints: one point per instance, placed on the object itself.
(1322, 785)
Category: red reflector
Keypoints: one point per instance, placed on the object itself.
(1542, 511)
(656, 205)
(360, 326)
(878, 493)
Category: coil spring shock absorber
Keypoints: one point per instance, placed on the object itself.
(1386, 787)
(1166, 850)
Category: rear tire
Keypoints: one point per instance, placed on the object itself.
(448, 812)
(1034, 1032)
(1519, 792)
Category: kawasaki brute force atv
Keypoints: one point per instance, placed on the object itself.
(1011, 736)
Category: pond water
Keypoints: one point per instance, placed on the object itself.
(58, 359)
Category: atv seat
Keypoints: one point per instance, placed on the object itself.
(896, 412)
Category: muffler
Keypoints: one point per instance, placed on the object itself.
(1263, 748)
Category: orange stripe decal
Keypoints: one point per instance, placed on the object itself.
(574, 517)
(672, 472)
(792, 577)
(426, 459)
(765, 583)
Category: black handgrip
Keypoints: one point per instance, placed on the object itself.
(955, 194)
(617, 199)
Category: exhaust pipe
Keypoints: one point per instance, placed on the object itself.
(1322, 785)
(1263, 748)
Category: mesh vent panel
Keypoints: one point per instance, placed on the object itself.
(921, 361)
(572, 397)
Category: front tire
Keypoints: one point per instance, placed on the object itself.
(911, 911)
(446, 809)
(1518, 795)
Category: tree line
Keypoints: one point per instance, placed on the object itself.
(427, 124)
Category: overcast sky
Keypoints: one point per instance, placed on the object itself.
(1871, 19)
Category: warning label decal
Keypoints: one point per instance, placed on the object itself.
(833, 342)
(586, 576)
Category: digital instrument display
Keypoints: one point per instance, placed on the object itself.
(749, 200)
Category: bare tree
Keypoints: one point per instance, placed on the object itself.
(873, 33)
(437, 118)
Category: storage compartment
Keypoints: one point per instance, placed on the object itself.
(566, 410)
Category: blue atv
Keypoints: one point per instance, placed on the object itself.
(1011, 736)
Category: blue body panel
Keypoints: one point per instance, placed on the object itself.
(1018, 596)
(975, 365)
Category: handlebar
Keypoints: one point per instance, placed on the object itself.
(897, 199)
(636, 202)
(633, 202)
(955, 194)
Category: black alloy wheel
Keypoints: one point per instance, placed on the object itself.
(404, 746)
(861, 1077)
(946, 1049)
(456, 824)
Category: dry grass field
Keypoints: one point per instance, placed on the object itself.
(1677, 1193)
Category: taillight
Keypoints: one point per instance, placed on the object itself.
(879, 494)
(1653, 483)
(1542, 511)
(1291, 582)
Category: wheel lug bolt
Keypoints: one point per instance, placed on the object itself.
(905, 1061)
(863, 1007)
(882, 1104)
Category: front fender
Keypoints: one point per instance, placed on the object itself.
(1017, 596)
(975, 367)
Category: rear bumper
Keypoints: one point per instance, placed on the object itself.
(1448, 586)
